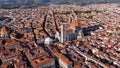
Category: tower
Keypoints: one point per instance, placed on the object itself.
(63, 33)
(80, 34)
(3, 32)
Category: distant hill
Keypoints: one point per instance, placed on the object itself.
(18, 3)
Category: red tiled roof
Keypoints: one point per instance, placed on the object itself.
(41, 62)
(75, 24)
(63, 58)
(11, 43)
(3, 29)
(77, 66)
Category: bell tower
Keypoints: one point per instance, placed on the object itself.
(63, 33)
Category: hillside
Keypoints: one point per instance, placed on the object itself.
(18, 3)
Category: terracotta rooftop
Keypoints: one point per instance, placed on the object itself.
(77, 66)
(62, 58)
(3, 29)
(13, 42)
(38, 62)
(51, 49)
(75, 24)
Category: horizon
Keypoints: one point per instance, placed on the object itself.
(11, 4)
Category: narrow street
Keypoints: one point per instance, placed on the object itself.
(89, 58)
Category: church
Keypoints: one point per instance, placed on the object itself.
(73, 31)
